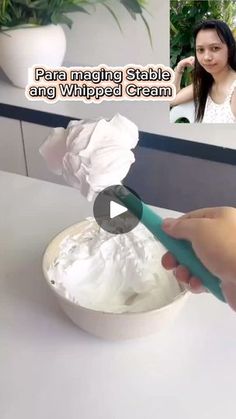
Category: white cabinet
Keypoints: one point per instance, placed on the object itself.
(34, 135)
(12, 157)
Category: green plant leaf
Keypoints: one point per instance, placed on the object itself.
(42, 12)
(73, 8)
(148, 30)
(113, 15)
(132, 6)
(60, 18)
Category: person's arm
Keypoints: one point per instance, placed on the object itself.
(212, 233)
(179, 70)
(185, 94)
(233, 103)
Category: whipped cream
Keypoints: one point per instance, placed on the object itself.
(92, 155)
(113, 273)
(95, 269)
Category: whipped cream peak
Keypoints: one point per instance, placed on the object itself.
(92, 155)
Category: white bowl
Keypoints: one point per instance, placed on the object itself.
(110, 326)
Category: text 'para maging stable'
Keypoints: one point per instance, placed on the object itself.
(96, 84)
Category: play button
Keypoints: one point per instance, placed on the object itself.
(111, 213)
(116, 209)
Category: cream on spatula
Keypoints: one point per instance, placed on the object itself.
(92, 155)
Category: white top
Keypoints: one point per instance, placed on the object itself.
(220, 112)
(51, 369)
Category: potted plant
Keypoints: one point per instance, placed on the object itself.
(31, 32)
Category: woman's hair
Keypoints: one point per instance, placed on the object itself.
(202, 80)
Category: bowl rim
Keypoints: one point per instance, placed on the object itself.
(183, 294)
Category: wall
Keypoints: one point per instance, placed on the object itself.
(181, 183)
(96, 39)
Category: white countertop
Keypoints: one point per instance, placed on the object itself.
(51, 369)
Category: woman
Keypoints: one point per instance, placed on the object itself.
(214, 77)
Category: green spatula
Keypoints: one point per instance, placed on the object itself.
(181, 249)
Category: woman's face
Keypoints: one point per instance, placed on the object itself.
(211, 52)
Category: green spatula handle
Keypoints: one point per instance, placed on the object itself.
(181, 249)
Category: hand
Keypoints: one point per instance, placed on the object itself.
(212, 233)
(186, 62)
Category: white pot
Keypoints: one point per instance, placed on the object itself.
(23, 47)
